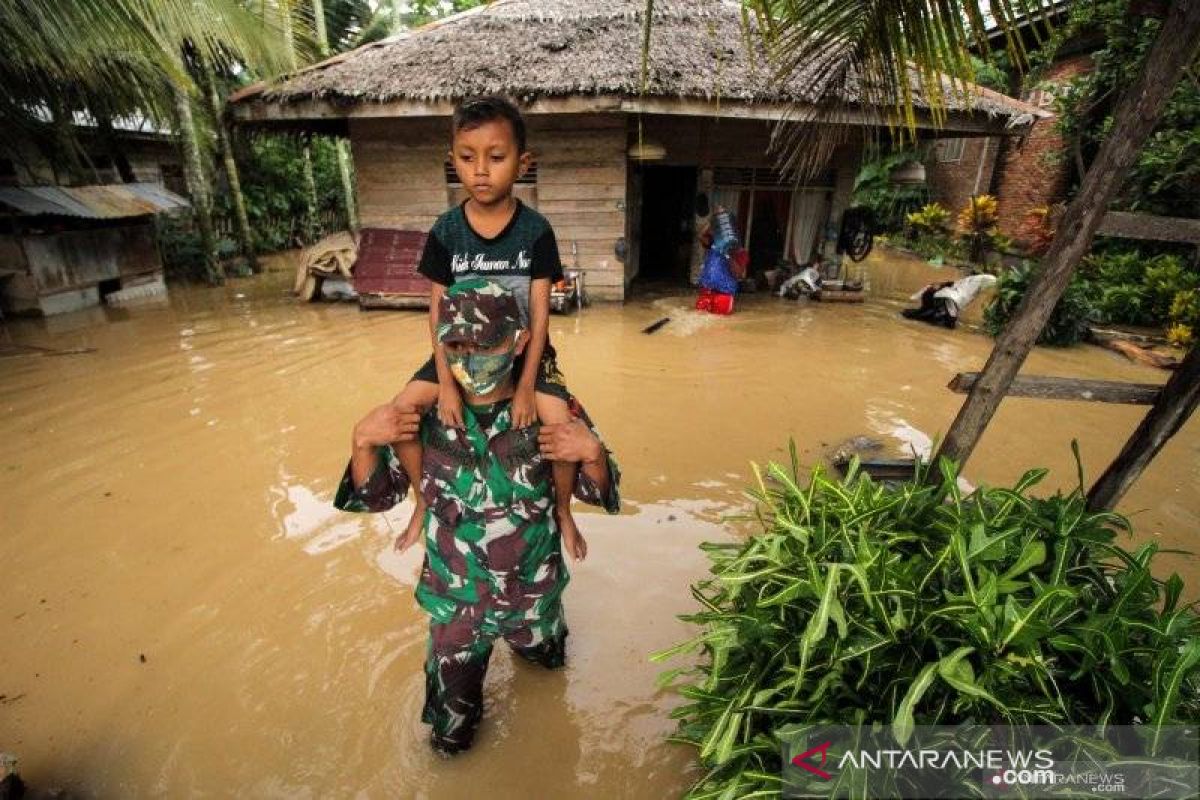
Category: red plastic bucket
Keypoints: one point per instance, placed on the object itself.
(721, 303)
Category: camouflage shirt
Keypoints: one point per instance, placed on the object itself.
(490, 532)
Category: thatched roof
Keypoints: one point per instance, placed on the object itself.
(535, 49)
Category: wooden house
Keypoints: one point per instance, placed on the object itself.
(619, 163)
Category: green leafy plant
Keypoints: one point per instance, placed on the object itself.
(1067, 323)
(1163, 179)
(1166, 277)
(1185, 318)
(1123, 303)
(914, 604)
(888, 201)
(271, 170)
(181, 248)
(933, 218)
(977, 224)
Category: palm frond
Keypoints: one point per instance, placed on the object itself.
(886, 64)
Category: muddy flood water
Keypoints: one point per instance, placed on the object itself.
(182, 612)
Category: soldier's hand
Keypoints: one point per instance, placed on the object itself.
(386, 424)
(569, 441)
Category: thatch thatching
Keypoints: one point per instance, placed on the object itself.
(532, 49)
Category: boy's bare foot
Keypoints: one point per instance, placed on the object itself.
(412, 534)
(572, 539)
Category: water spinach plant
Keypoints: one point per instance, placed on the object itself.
(915, 604)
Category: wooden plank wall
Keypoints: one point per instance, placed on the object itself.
(580, 188)
(398, 164)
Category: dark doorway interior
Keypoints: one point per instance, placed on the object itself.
(768, 229)
(667, 231)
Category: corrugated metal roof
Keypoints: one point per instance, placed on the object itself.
(110, 201)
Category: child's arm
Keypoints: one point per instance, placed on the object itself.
(449, 401)
(524, 411)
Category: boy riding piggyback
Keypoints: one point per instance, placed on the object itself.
(493, 235)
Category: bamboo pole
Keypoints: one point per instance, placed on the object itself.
(1176, 402)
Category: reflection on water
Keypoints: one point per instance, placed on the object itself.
(167, 497)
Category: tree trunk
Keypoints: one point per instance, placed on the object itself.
(244, 235)
(1137, 113)
(343, 157)
(310, 183)
(112, 146)
(197, 184)
(66, 163)
(318, 12)
(310, 196)
(343, 154)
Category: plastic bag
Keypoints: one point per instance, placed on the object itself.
(716, 274)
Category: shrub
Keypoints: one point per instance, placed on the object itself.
(1067, 323)
(1123, 303)
(890, 202)
(933, 218)
(977, 223)
(1165, 278)
(181, 248)
(978, 216)
(1185, 318)
(915, 604)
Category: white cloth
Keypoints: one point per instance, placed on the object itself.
(807, 282)
(959, 295)
(810, 209)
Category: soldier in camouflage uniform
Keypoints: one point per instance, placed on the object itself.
(493, 565)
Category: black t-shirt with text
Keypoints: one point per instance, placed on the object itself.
(525, 250)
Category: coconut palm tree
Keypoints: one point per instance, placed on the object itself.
(128, 56)
(343, 153)
(876, 53)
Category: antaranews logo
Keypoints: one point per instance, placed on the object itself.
(802, 760)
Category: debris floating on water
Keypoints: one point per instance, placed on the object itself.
(656, 326)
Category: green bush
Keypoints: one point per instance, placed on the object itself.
(889, 202)
(1133, 288)
(271, 171)
(1123, 304)
(1067, 323)
(914, 604)
(1166, 277)
(179, 243)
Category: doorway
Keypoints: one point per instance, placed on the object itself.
(667, 232)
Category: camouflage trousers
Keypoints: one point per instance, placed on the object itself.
(457, 663)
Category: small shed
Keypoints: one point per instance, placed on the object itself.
(618, 165)
(63, 248)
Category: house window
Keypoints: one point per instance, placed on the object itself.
(8, 172)
(950, 151)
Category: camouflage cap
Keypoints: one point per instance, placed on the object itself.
(479, 311)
